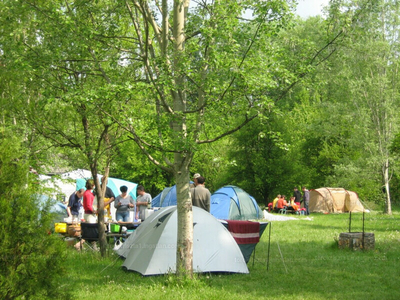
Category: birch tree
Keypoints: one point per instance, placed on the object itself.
(175, 75)
(368, 65)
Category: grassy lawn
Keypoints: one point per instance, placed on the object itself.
(304, 263)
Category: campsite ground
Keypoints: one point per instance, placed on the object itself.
(304, 263)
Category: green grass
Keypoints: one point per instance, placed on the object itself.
(308, 265)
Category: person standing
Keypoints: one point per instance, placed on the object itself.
(195, 176)
(201, 196)
(109, 197)
(74, 204)
(143, 201)
(306, 199)
(297, 195)
(88, 199)
(122, 203)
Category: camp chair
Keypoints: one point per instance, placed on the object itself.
(283, 211)
(89, 233)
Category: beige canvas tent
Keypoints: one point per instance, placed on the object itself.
(334, 200)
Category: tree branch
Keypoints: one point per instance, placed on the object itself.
(229, 131)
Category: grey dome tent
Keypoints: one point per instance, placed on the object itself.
(151, 250)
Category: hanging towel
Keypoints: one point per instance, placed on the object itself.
(244, 232)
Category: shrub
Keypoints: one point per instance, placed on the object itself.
(32, 259)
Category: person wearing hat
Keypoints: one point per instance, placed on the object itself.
(195, 183)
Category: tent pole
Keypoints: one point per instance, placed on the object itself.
(363, 235)
(269, 244)
(350, 221)
(254, 255)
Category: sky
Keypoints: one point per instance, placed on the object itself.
(308, 8)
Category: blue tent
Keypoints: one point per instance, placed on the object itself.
(227, 203)
(58, 209)
(232, 203)
(166, 198)
(114, 184)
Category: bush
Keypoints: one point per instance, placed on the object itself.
(32, 259)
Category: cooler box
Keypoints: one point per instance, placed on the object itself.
(60, 227)
(114, 228)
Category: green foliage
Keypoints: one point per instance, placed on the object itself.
(32, 259)
(72, 61)
(130, 164)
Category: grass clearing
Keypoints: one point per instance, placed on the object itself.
(304, 263)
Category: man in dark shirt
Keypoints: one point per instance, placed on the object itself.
(297, 195)
(74, 204)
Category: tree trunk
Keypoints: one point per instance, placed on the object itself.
(184, 254)
(100, 213)
(388, 205)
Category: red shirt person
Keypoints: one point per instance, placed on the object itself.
(88, 199)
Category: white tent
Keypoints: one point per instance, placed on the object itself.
(151, 250)
(70, 182)
(78, 173)
(65, 185)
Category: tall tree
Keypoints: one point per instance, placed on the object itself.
(368, 65)
(175, 77)
(57, 91)
(200, 67)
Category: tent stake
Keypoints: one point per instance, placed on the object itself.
(269, 244)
